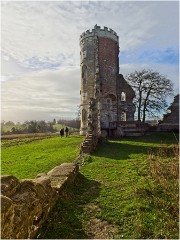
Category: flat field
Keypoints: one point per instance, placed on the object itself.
(26, 156)
(126, 189)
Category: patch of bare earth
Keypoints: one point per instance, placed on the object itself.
(97, 228)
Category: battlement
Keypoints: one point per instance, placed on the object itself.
(100, 32)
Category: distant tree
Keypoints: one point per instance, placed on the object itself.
(60, 121)
(54, 121)
(3, 122)
(32, 126)
(151, 89)
(42, 126)
(9, 123)
(15, 130)
(78, 113)
(50, 127)
(2, 126)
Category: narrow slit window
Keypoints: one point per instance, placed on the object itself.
(84, 73)
(123, 96)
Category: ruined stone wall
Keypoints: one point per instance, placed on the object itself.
(125, 105)
(25, 204)
(171, 118)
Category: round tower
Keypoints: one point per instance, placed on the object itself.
(99, 50)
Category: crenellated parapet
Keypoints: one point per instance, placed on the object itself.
(100, 32)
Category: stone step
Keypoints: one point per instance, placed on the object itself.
(126, 125)
(89, 138)
(87, 145)
(87, 151)
(87, 141)
(132, 130)
(134, 134)
(89, 135)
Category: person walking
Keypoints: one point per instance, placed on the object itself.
(66, 131)
(62, 132)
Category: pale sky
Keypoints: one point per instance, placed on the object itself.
(40, 70)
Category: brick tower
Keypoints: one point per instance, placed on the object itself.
(102, 101)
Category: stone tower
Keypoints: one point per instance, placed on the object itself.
(102, 101)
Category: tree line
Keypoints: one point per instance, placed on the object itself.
(35, 126)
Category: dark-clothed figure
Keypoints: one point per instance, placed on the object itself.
(62, 132)
(66, 131)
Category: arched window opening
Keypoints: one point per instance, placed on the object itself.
(123, 96)
(84, 54)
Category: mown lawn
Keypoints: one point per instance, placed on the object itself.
(26, 157)
(126, 189)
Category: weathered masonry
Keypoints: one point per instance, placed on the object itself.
(170, 120)
(25, 204)
(106, 98)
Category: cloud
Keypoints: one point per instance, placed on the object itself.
(46, 33)
(40, 49)
(45, 93)
(37, 30)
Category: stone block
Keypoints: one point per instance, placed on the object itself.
(9, 185)
(25, 204)
(7, 217)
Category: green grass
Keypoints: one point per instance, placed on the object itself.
(25, 158)
(117, 196)
(58, 126)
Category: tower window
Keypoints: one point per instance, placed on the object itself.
(123, 96)
(84, 96)
(84, 54)
(84, 73)
(123, 116)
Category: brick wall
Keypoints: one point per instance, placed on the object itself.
(108, 54)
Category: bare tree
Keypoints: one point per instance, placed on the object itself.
(151, 89)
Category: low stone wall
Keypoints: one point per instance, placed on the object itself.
(25, 204)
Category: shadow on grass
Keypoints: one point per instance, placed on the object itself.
(68, 219)
(122, 151)
(156, 137)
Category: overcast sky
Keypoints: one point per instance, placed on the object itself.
(40, 50)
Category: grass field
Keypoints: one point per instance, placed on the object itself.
(25, 157)
(127, 189)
